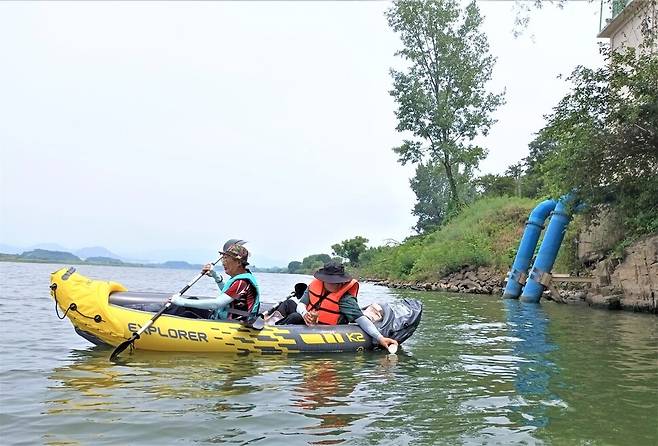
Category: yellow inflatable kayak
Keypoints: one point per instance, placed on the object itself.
(105, 313)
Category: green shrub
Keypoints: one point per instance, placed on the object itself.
(485, 233)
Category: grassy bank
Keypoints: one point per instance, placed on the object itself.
(486, 233)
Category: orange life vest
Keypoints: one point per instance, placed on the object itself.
(326, 303)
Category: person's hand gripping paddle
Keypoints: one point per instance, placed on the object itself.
(125, 344)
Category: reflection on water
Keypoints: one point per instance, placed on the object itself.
(478, 371)
(162, 374)
(527, 325)
(308, 397)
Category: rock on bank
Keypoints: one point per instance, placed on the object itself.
(629, 284)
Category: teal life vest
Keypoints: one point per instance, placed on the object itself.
(223, 313)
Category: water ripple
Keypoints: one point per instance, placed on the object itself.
(479, 371)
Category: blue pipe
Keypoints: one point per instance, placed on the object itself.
(548, 251)
(533, 228)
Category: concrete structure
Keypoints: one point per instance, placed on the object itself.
(628, 22)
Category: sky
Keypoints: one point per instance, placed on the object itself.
(159, 130)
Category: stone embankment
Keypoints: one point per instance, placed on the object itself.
(468, 280)
(630, 284)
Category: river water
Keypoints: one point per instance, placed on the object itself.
(479, 370)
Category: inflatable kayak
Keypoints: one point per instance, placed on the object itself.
(105, 313)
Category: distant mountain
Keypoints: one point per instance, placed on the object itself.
(54, 256)
(164, 254)
(100, 260)
(178, 264)
(84, 253)
(96, 251)
(44, 255)
(200, 256)
(48, 247)
(192, 256)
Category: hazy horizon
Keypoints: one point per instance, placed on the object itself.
(144, 257)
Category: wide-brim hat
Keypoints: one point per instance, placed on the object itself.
(332, 272)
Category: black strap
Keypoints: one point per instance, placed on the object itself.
(72, 305)
(239, 312)
(316, 306)
(251, 320)
(321, 297)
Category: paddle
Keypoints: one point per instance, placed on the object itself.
(256, 323)
(124, 345)
(297, 294)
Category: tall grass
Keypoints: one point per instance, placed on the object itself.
(486, 233)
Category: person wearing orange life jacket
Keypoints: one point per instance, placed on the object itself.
(331, 300)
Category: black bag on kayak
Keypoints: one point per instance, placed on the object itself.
(400, 318)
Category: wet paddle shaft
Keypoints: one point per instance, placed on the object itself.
(124, 345)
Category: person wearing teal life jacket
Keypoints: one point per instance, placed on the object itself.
(239, 297)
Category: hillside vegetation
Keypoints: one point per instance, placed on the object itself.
(485, 233)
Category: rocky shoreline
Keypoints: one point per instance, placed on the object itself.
(468, 280)
(630, 285)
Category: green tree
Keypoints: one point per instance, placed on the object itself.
(351, 249)
(314, 261)
(515, 171)
(605, 139)
(294, 266)
(532, 182)
(434, 205)
(491, 185)
(441, 96)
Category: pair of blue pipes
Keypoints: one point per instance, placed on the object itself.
(536, 279)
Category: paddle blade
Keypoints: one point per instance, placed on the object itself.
(124, 345)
